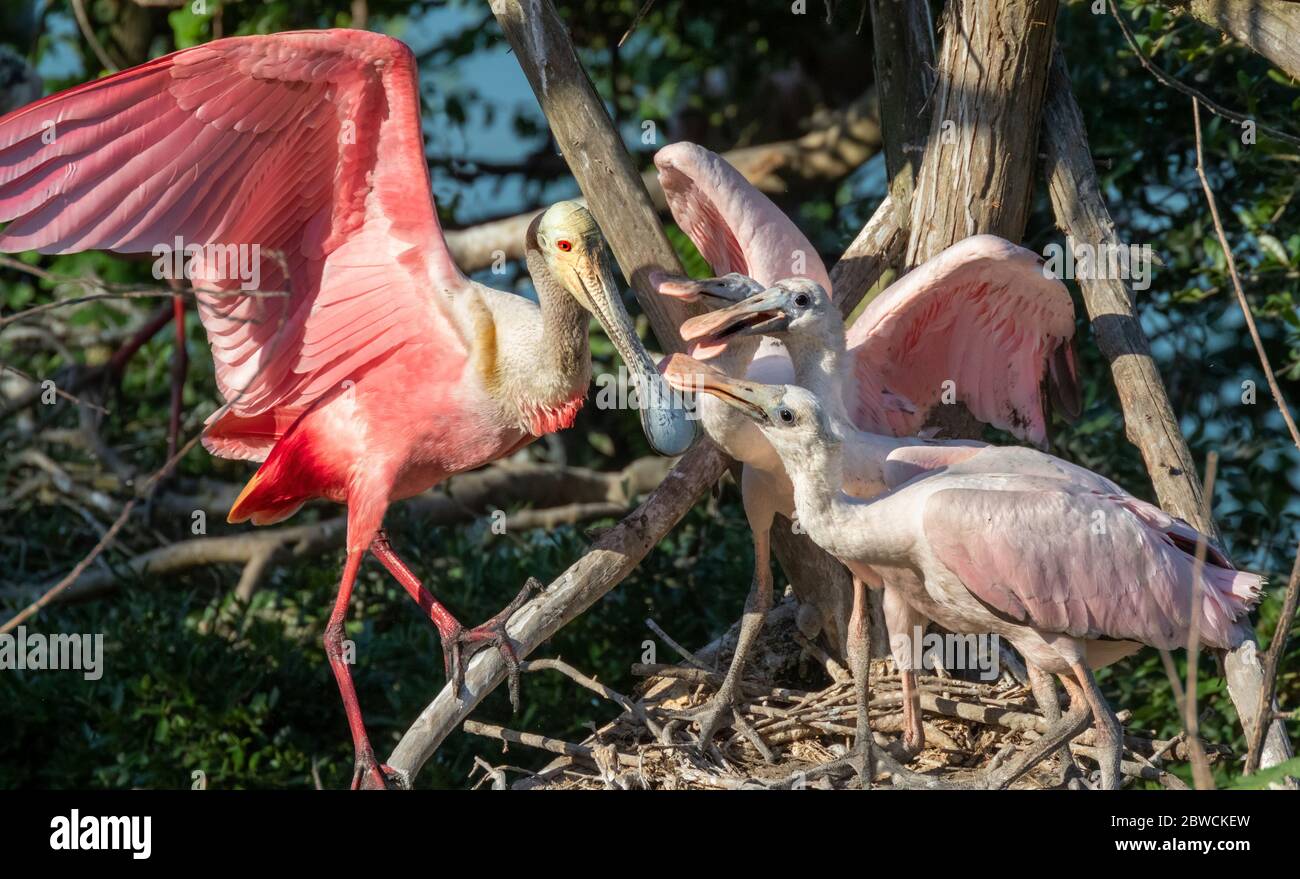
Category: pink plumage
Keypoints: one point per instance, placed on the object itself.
(982, 315)
(981, 322)
(366, 367)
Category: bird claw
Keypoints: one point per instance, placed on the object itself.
(461, 646)
(716, 714)
(369, 774)
(903, 751)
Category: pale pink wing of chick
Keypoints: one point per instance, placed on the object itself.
(981, 314)
(980, 324)
(1087, 564)
(733, 225)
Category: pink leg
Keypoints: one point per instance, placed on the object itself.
(459, 643)
(859, 649)
(365, 767)
(180, 363)
(905, 624)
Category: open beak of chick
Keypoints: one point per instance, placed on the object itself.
(712, 292)
(576, 256)
(764, 313)
(753, 400)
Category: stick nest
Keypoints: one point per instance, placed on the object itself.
(797, 714)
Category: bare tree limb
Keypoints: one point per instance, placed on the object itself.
(988, 97)
(88, 31)
(1267, 27)
(903, 41)
(1148, 416)
(1081, 213)
(591, 145)
(1197, 96)
(1272, 660)
(579, 494)
(610, 559)
(104, 541)
(839, 143)
(877, 248)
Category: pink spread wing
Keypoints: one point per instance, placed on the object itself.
(299, 156)
(980, 315)
(1085, 564)
(734, 226)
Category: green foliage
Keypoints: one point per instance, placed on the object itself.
(1262, 779)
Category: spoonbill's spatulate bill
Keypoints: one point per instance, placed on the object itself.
(980, 325)
(1018, 554)
(298, 157)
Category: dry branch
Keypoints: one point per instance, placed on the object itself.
(1268, 27)
(903, 43)
(577, 493)
(610, 559)
(1196, 95)
(1148, 416)
(838, 143)
(1273, 659)
(876, 249)
(1236, 281)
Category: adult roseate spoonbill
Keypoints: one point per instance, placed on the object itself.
(1074, 577)
(385, 370)
(979, 321)
(799, 313)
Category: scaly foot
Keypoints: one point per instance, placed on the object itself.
(369, 774)
(460, 647)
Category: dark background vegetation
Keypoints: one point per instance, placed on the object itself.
(254, 705)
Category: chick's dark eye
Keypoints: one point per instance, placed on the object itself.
(785, 415)
(564, 245)
(802, 300)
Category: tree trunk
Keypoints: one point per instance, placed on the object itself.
(1149, 420)
(977, 174)
(903, 41)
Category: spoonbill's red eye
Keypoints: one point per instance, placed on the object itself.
(564, 244)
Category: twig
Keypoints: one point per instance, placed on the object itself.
(681, 651)
(712, 679)
(496, 773)
(1201, 774)
(117, 291)
(641, 13)
(632, 708)
(1236, 282)
(1276, 649)
(533, 740)
(57, 390)
(1195, 95)
(83, 22)
(53, 592)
